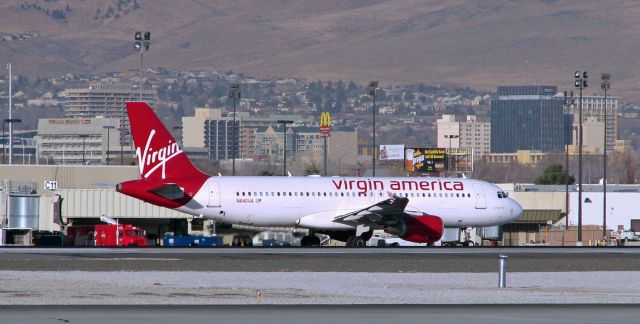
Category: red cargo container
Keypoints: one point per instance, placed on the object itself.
(106, 235)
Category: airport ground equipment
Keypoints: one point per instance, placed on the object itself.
(106, 235)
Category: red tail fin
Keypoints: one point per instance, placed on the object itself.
(159, 155)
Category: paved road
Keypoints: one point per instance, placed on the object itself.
(437, 260)
(323, 314)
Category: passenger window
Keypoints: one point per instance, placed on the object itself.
(290, 194)
(243, 193)
(237, 193)
(423, 195)
(342, 194)
(324, 194)
(255, 194)
(458, 195)
(313, 194)
(429, 195)
(249, 193)
(278, 194)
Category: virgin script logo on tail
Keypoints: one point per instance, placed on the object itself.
(155, 158)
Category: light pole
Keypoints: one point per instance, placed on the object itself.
(605, 85)
(373, 87)
(9, 121)
(235, 95)
(450, 137)
(122, 131)
(580, 83)
(285, 123)
(568, 101)
(84, 137)
(108, 128)
(142, 42)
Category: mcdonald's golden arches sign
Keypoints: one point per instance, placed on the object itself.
(325, 124)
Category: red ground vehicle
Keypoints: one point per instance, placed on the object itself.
(106, 235)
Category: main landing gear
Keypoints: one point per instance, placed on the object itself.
(310, 240)
(359, 241)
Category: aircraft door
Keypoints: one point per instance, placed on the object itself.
(214, 194)
(481, 200)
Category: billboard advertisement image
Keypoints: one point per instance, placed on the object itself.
(425, 159)
(391, 152)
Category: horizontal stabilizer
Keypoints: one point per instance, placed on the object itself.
(169, 191)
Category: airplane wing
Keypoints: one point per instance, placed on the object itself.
(168, 190)
(384, 212)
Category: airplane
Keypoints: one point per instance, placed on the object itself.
(348, 209)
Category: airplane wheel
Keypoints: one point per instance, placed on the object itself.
(315, 241)
(360, 242)
(310, 240)
(367, 235)
(305, 241)
(350, 242)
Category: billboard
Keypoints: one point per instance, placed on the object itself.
(391, 152)
(425, 159)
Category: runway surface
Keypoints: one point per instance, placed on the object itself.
(431, 260)
(342, 276)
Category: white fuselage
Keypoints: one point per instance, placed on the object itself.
(282, 201)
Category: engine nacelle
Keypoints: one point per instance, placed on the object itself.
(418, 229)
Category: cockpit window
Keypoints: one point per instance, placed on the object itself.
(502, 194)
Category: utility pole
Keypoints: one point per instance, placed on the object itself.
(10, 118)
(108, 128)
(235, 95)
(373, 87)
(568, 101)
(605, 85)
(285, 123)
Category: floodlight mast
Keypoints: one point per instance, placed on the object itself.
(142, 41)
(580, 83)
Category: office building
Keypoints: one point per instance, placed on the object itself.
(527, 118)
(78, 140)
(473, 135)
(593, 109)
(106, 100)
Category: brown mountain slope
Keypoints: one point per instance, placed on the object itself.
(477, 43)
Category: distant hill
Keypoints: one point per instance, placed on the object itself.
(476, 43)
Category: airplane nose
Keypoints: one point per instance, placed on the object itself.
(516, 209)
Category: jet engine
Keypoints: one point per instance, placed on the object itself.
(418, 229)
